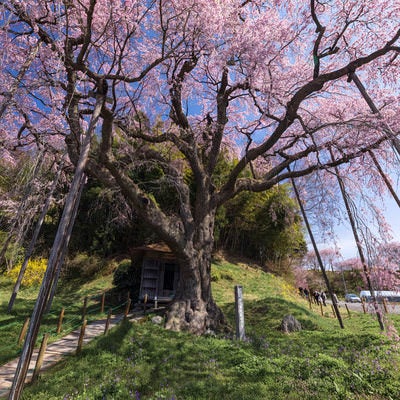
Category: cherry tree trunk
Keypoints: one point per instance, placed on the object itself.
(194, 308)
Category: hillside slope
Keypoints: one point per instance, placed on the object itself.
(143, 361)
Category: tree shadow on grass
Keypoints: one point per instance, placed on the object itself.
(151, 359)
(112, 341)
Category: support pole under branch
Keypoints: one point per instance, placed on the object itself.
(358, 243)
(315, 247)
(38, 311)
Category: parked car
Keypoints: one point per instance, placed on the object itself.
(389, 295)
(352, 298)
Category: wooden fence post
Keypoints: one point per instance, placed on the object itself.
(23, 331)
(384, 301)
(363, 306)
(322, 310)
(145, 298)
(40, 358)
(81, 335)
(107, 321)
(127, 308)
(84, 309)
(348, 311)
(60, 320)
(103, 301)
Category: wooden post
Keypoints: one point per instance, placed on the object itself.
(60, 239)
(363, 306)
(239, 313)
(60, 320)
(384, 301)
(107, 321)
(84, 309)
(385, 178)
(40, 358)
(127, 308)
(103, 301)
(333, 311)
(309, 301)
(348, 311)
(317, 253)
(322, 309)
(33, 241)
(145, 298)
(386, 128)
(357, 240)
(81, 335)
(155, 303)
(23, 331)
(64, 247)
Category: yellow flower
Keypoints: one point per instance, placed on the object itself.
(33, 274)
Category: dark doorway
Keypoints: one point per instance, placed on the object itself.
(169, 276)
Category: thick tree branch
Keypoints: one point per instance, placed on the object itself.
(275, 175)
(293, 105)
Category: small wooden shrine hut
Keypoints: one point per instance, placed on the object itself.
(160, 272)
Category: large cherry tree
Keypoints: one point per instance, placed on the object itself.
(184, 83)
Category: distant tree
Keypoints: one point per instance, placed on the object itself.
(350, 264)
(385, 269)
(314, 277)
(329, 257)
(263, 226)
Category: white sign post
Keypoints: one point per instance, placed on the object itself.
(239, 313)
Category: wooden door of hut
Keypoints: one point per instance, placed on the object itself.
(160, 273)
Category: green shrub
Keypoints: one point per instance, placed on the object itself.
(127, 278)
(216, 275)
(123, 274)
(83, 266)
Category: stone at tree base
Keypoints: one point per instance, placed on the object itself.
(290, 324)
(158, 320)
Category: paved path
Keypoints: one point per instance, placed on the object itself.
(55, 352)
(393, 308)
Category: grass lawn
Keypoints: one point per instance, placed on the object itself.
(143, 361)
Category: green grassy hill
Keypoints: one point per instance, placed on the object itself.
(143, 361)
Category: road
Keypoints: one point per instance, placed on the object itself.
(393, 308)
